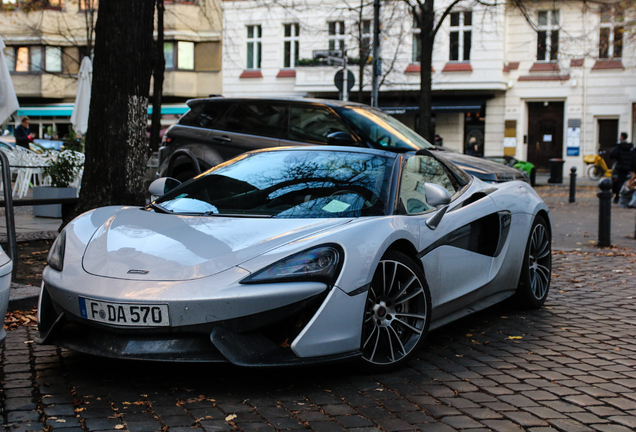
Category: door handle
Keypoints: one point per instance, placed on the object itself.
(222, 138)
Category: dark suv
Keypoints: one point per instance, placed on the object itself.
(217, 129)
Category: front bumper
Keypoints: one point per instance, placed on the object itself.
(261, 339)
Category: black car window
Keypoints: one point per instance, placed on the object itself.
(204, 115)
(313, 124)
(419, 170)
(255, 119)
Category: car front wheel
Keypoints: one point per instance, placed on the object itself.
(397, 313)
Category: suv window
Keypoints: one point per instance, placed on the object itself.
(204, 115)
(417, 171)
(313, 124)
(255, 119)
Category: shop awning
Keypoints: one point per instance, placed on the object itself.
(442, 106)
(65, 110)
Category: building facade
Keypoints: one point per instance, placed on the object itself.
(46, 40)
(557, 81)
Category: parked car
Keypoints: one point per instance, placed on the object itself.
(293, 256)
(217, 129)
(511, 161)
(6, 266)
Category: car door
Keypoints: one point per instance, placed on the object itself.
(248, 125)
(311, 124)
(458, 254)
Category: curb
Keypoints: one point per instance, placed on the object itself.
(23, 297)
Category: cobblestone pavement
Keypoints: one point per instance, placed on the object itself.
(569, 366)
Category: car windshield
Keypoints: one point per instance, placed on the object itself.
(384, 130)
(287, 184)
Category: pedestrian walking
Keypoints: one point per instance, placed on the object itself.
(623, 154)
(23, 136)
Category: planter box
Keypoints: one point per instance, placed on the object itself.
(48, 192)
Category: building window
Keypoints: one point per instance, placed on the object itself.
(337, 35)
(365, 41)
(416, 42)
(461, 26)
(610, 44)
(291, 45)
(179, 55)
(88, 5)
(53, 59)
(254, 34)
(548, 35)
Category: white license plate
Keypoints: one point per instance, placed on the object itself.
(125, 314)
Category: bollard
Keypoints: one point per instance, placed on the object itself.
(605, 212)
(572, 184)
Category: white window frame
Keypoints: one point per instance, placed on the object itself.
(551, 26)
(294, 45)
(615, 22)
(337, 40)
(257, 43)
(461, 30)
(415, 51)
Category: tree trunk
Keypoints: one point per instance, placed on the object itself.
(157, 75)
(426, 24)
(116, 153)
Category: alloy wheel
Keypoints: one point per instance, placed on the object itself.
(395, 315)
(540, 261)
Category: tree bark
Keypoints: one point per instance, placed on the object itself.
(426, 23)
(157, 74)
(116, 146)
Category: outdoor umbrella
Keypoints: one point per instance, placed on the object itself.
(79, 118)
(8, 100)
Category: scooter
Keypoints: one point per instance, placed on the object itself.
(597, 167)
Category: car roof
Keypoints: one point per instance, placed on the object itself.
(346, 149)
(327, 102)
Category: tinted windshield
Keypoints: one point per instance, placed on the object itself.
(382, 129)
(288, 184)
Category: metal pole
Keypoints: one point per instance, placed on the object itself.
(345, 79)
(605, 212)
(572, 184)
(376, 53)
(8, 212)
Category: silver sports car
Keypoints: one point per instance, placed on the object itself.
(295, 256)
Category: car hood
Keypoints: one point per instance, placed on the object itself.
(143, 245)
(484, 168)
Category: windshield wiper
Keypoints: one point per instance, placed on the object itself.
(240, 215)
(159, 209)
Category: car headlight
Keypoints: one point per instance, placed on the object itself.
(320, 264)
(56, 255)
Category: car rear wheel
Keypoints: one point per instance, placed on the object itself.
(536, 271)
(397, 313)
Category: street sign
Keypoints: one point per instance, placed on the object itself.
(351, 80)
(318, 54)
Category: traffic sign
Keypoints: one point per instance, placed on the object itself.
(351, 80)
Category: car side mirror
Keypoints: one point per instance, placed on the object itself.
(340, 138)
(438, 197)
(162, 186)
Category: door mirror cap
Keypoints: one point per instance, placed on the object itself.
(340, 138)
(436, 195)
(162, 186)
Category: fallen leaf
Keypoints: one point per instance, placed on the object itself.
(515, 337)
(60, 421)
(230, 417)
(80, 409)
(119, 427)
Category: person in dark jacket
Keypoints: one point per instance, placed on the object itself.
(22, 133)
(623, 154)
